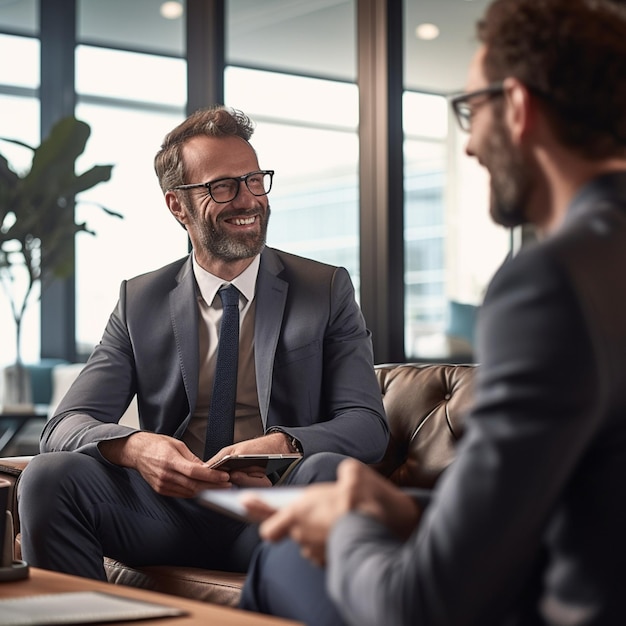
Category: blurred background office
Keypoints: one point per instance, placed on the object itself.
(349, 97)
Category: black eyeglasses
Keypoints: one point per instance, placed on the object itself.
(462, 108)
(225, 190)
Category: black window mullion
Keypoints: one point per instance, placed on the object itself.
(58, 100)
(381, 176)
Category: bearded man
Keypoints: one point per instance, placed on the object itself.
(526, 526)
(304, 380)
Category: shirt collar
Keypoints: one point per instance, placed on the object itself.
(209, 284)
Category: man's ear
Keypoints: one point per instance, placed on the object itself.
(520, 110)
(176, 208)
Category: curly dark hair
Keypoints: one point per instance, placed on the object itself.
(572, 55)
(217, 121)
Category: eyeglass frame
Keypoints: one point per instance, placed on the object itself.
(240, 179)
(494, 90)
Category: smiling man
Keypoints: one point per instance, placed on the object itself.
(526, 527)
(301, 380)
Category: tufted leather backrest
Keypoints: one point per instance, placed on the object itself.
(425, 406)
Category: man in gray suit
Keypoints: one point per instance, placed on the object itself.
(527, 525)
(305, 380)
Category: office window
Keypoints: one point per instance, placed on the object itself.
(292, 67)
(310, 140)
(132, 25)
(19, 18)
(451, 246)
(25, 74)
(19, 120)
(302, 37)
(131, 100)
(305, 104)
(425, 127)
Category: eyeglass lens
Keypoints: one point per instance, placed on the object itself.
(464, 115)
(226, 189)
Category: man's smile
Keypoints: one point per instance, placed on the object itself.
(241, 221)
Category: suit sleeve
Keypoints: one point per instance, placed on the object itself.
(97, 399)
(530, 426)
(353, 420)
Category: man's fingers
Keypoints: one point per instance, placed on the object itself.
(258, 510)
(277, 526)
(250, 479)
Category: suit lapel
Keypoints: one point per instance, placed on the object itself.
(184, 320)
(271, 295)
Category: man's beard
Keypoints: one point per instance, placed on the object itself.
(510, 179)
(218, 244)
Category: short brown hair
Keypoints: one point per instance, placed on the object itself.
(572, 55)
(217, 121)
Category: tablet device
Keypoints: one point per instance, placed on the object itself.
(269, 462)
(228, 501)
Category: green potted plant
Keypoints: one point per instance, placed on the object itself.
(37, 227)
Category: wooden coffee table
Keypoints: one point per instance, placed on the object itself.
(46, 582)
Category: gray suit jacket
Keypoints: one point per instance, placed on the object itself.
(527, 525)
(313, 359)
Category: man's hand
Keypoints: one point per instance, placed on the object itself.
(309, 520)
(165, 463)
(275, 443)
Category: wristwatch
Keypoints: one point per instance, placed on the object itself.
(294, 443)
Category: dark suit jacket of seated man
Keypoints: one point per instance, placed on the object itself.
(306, 379)
(526, 527)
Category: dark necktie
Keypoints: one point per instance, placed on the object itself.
(221, 423)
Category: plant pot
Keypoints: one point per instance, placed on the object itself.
(15, 389)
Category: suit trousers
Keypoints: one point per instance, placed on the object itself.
(281, 582)
(75, 509)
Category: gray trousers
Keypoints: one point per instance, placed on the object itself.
(283, 583)
(74, 510)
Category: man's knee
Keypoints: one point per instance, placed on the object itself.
(320, 467)
(46, 471)
(48, 477)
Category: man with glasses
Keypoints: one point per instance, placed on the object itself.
(527, 525)
(281, 338)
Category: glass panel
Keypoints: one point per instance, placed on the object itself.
(424, 115)
(135, 25)
(19, 120)
(128, 137)
(20, 17)
(439, 64)
(452, 248)
(127, 131)
(314, 200)
(424, 236)
(26, 72)
(310, 37)
(146, 238)
(311, 101)
(130, 76)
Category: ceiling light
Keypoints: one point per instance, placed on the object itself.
(171, 10)
(427, 32)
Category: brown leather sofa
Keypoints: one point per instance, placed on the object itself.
(425, 405)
